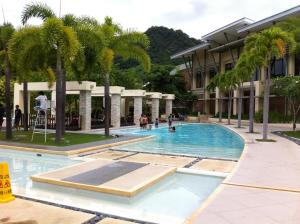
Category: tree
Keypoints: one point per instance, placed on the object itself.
(264, 48)
(62, 41)
(226, 82)
(289, 87)
(244, 70)
(125, 44)
(6, 32)
(28, 57)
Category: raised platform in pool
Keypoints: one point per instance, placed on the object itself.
(107, 176)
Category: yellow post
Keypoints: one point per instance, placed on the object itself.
(5, 186)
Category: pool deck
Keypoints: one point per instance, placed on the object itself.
(29, 212)
(263, 189)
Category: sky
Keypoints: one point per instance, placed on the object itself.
(194, 17)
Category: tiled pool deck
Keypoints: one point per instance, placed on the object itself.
(263, 189)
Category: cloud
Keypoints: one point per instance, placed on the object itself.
(195, 17)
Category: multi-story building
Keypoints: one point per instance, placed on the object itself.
(219, 52)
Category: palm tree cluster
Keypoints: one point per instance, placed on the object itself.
(260, 50)
(65, 47)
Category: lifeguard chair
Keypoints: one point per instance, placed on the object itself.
(41, 119)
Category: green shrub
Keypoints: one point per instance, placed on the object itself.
(274, 117)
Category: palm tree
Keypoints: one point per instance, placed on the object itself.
(6, 32)
(125, 44)
(60, 42)
(263, 48)
(244, 71)
(27, 54)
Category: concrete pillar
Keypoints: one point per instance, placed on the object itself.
(53, 100)
(235, 102)
(291, 65)
(258, 92)
(169, 106)
(154, 109)
(116, 110)
(123, 107)
(218, 95)
(138, 108)
(85, 109)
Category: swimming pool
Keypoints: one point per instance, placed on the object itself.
(172, 200)
(205, 140)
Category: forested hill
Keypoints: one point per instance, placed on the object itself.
(164, 42)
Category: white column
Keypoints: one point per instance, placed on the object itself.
(85, 109)
(116, 110)
(138, 108)
(123, 107)
(218, 95)
(53, 99)
(291, 64)
(154, 109)
(235, 102)
(169, 105)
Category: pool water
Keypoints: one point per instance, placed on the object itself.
(172, 200)
(205, 140)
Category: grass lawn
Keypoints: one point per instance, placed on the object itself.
(68, 139)
(295, 134)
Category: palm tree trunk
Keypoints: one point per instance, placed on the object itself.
(251, 106)
(8, 99)
(229, 107)
(63, 127)
(107, 104)
(240, 107)
(25, 99)
(59, 116)
(266, 103)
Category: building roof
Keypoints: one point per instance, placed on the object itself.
(190, 51)
(224, 47)
(269, 21)
(178, 68)
(230, 29)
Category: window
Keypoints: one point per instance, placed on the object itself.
(198, 79)
(212, 73)
(228, 66)
(278, 69)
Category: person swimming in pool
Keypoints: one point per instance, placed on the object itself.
(172, 129)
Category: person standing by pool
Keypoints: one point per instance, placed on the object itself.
(156, 123)
(145, 121)
(18, 115)
(2, 113)
(141, 121)
(170, 121)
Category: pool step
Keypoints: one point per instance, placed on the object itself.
(121, 178)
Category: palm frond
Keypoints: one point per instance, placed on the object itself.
(38, 10)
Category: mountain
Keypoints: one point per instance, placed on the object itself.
(164, 42)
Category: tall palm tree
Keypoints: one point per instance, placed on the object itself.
(60, 41)
(27, 54)
(244, 71)
(125, 44)
(6, 32)
(264, 48)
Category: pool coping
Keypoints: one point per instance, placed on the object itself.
(214, 194)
